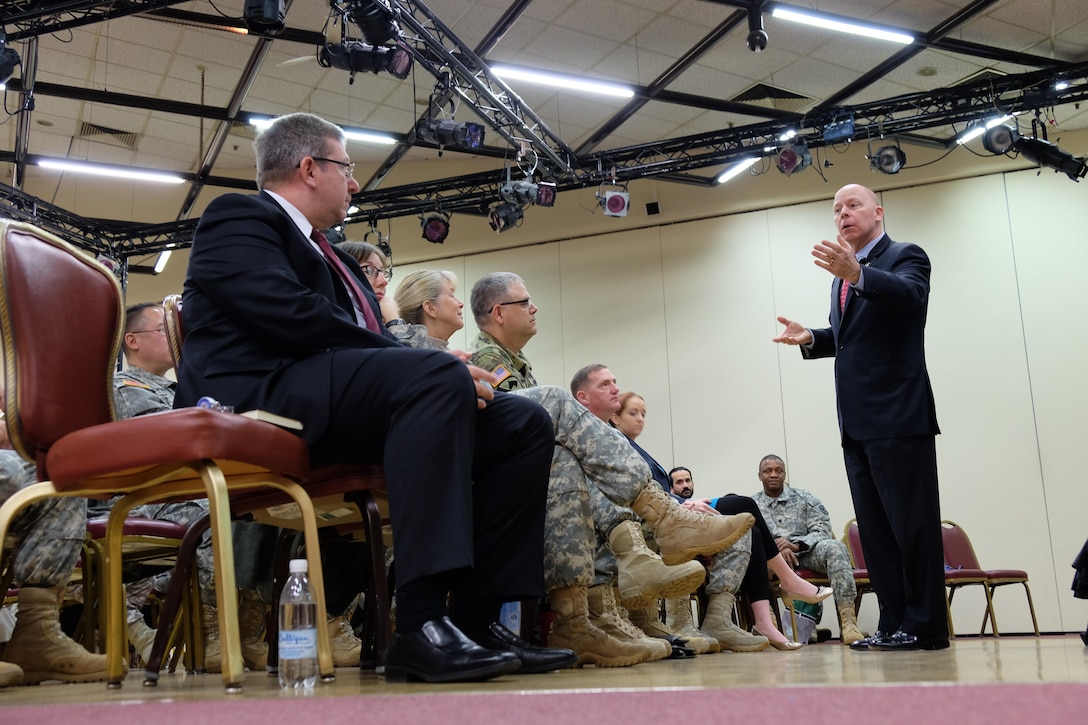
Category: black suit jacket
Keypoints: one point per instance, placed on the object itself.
(261, 303)
(878, 342)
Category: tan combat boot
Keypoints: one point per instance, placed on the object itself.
(681, 534)
(41, 649)
(10, 674)
(643, 577)
(648, 619)
(607, 616)
(251, 628)
(678, 619)
(572, 629)
(346, 647)
(718, 623)
(142, 638)
(850, 631)
(213, 657)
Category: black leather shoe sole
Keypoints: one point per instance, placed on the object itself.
(407, 673)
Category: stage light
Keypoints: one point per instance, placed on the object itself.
(447, 132)
(356, 56)
(526, 192)
(1000, 139)
(979, 129)
(9, 59)
(436, 226)
(757, 36)
(374, 19)
(264, 15)
(1047, 154)
(887, 160)
(793, 157)
(841, 24)
(504, 217)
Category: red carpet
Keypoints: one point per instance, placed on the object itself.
(960, 704)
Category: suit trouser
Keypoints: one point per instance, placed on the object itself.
(467, 486)
(893, 482)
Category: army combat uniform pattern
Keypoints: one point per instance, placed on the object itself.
(802, 518)
(48, 534)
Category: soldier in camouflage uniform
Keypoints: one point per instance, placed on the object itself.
(142, 388)
(802, 529)
(604, 478)
(48, 536)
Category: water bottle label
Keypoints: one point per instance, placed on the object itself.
(298, 644)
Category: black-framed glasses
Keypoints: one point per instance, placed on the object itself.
(373, 272)
(160, 330)
(348, 166)
(526, 303)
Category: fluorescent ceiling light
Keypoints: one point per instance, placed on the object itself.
(739, 168)
(976, 131)
(363, 135)
(160, 263)
(841, 24)
(558, 80)
(119, 172)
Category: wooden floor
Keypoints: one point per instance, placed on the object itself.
(1008, 660)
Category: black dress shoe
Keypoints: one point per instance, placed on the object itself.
(864, 643)
(533, 659)
(442, 653)
(906, 641)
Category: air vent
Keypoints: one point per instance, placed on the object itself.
(767, 96)
(101, 133)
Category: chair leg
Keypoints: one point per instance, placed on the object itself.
(948, 609)
(373, 521)
(1031, 608)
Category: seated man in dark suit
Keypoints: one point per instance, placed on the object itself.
(277, 319)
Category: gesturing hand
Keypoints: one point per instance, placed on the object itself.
(794, 334)
(837, 258)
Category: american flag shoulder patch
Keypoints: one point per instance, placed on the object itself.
(500, 373)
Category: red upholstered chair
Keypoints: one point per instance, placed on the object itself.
(852, 539)
(961, 562)
(61, 315)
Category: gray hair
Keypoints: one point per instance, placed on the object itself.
(421, 286)
(282, 146)
(489, 291)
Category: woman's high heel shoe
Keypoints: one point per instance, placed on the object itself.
(786, 646)
(821, 594)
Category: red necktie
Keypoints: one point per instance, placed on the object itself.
(842, 294)
(347, 278)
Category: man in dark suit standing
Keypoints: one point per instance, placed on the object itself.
(277, 319)
(887, 418)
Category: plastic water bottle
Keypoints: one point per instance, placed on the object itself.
(298, 630)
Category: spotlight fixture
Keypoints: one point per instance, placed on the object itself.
(615, 202)
(1000, 139)
(757, 36)
(375, 20)
(526, 192)
(436, 226)
(980, 128)
(1047, 154)
(448, 132)
(793, 157)
(887, 160)
(265, 15)
(9, 59)
(504, 217)
(356, 56)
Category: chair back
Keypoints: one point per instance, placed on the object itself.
(853, 544)
(171, 315)
(62, 320)
(958, 552)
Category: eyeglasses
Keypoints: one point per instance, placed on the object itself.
(373, 272)
(526, 303)
(160, 330)
(349, 166)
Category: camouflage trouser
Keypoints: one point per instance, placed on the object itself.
(832, 558)
(727, 567)
(568, 529)
(614, 470)
(606, 516)
(186, 513)
(48, 535)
